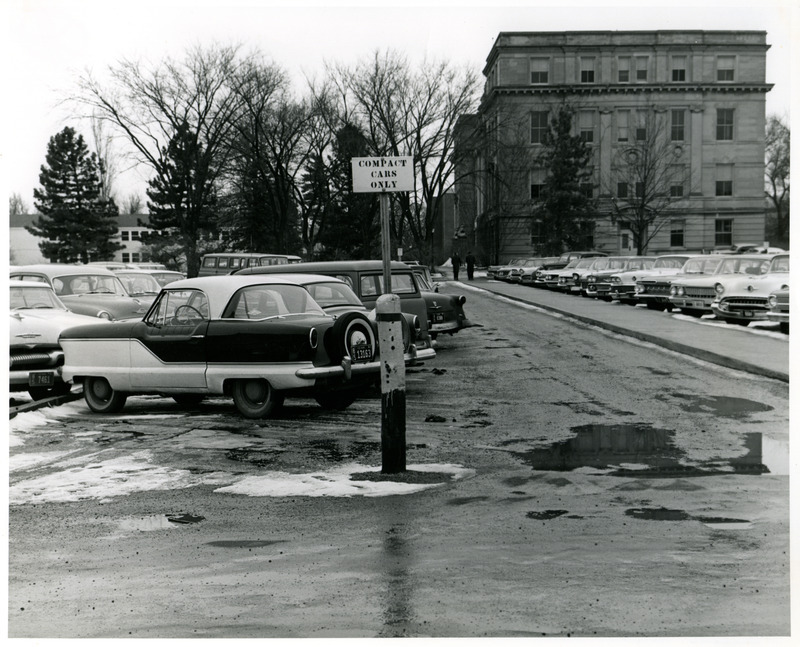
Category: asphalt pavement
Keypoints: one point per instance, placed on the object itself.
(762, 353)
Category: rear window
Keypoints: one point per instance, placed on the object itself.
(372, 284)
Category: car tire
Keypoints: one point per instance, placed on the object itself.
(255, 398)
(654, 306)
(189, 399)
(337, 400)
(346, 325)
(784, 327)
(42, 392)
(101, 397)
(692, 313)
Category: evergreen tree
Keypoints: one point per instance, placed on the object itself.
(182, 197)
(565, 206)
(76, 222)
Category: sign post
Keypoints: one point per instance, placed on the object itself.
(384, 175)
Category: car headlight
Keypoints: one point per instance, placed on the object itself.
(719, 288)
(462, 300)
(673, 291)
(591, 279)
(640, 289)
(104, 314)
(681, 291)
(773, 301)
(615, 279)
(575, 277)
(313, 338)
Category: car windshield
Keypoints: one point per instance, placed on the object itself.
(331, 295)
(640, 263)
(743, 266)
(616, 263)
(24, 298)
(72, 284)
(165, 278)
(271, 301)
(669, 263)
(573, 263)
(139, 284)
(701, 265)
(585, 262)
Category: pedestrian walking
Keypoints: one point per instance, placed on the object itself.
(470, 266)
(455, 259)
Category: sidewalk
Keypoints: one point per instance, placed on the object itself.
(764, 354)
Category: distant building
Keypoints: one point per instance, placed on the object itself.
(24, 246)
(708, 87)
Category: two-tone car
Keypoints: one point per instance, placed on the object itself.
(746, 299)
(492, 270)
(546, 276)
(693, 295)
(254, 338)
(574, 281)
(526, 274)
(654, 290)
(623, 284)
(598, 284)
(38, 317)
(86, 289)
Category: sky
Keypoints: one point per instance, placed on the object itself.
(50, 43)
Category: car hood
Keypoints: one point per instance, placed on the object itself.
(120, 307)
(43, 326)
(762, 285)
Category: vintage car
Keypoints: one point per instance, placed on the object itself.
(86, 289)
(503, 272)
(654, 290)
(745, 299)
(523, 274)
(366, 279)
(140, 284)
(165, 277)
(254, 338)
(37, 319)
(540, 275)
(597, 284)
(492, 270)
(573, 280)
(623, 284)
(778, 303)
(695, 294)
(445, 311)
(337, 298)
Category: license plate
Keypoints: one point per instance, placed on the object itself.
(698, 304)
(361, 353)
(41, 378)
(438, 317)
(748, 313)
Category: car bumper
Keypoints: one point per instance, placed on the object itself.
(450, 326)
(692, 304)
(780, 317)
(33, 378)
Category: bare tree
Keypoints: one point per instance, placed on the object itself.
(107, 166)
(150, 105)
(16, 205)
(412, 113)
(649, 179)
(132, 204)
(778, 149)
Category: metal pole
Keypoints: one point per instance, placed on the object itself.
(386, 244)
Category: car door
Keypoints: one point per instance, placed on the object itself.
(168, 348)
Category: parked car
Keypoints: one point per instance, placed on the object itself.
(695, 294)
(502, 273)
(366, 279)
(445, 311)
(623, 284)
(746, 299)
(337, 299)
(525, 273)
(254, 338)
(598, 283)
(540, 276)
(572, 281)
(140, 284)
(492, 270)
(654, 290)
(87, 290)
(778, 304)
(37, 318)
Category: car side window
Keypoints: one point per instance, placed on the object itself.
(179, 308)
(368, 286)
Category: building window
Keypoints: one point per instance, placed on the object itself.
(623, 117)
(536, 191)
(724, 182)
(724, 124)
(725, 68)
(624, 69)
(622, 189)
(678, 68)
(639, 189)
(135, 257)
(676, 190)
(125, 235)
(126, 257)
(677, 130)
(676, 233)
(537, 234)
(723, 232)
(540, 70)
(538, 127)
(586, 120)
(641, 69)
(135, 235)
(587, 70)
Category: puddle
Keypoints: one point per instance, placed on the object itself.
(546, 514)
(244, 543)
(665, 514)
(157, 521)
(642, 451)
(184, 518)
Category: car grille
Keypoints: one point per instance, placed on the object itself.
(746, 303)
(700, 293)
(657, 288)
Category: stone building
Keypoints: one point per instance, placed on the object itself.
(699, 96)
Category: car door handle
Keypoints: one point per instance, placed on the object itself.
(198, 336)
